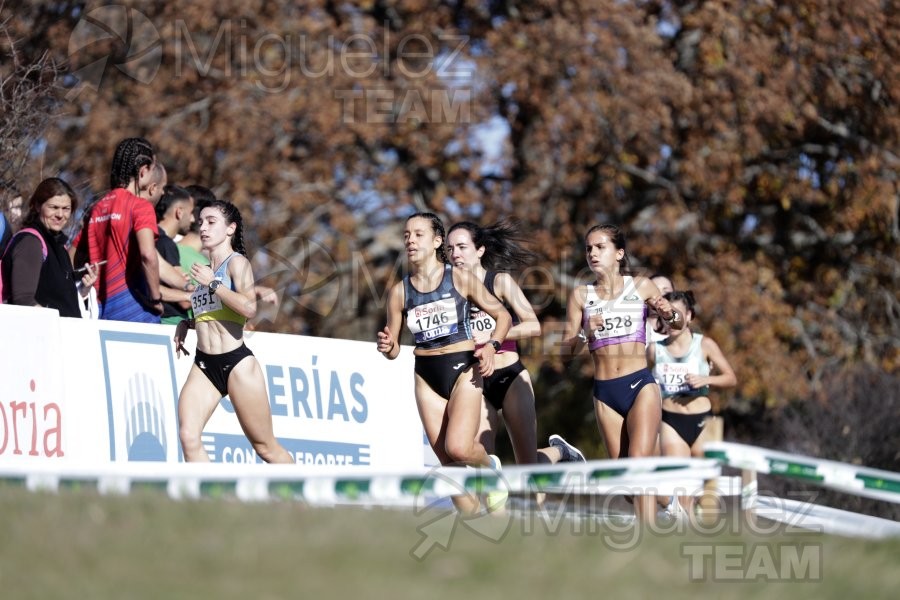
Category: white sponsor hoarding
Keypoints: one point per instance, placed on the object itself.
(105, 391)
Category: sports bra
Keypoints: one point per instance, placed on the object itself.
(670, 372)
(208, 306)
(617, 321)
(437, 318)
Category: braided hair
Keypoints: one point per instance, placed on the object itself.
(617, 236)
(232, 215)
(502, 243)
(131, 154)
(437, 227)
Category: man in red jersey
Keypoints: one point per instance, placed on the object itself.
(122, 231)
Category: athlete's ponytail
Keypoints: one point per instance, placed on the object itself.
(502, 243)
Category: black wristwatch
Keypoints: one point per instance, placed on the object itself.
(496, 345)
(214, 285)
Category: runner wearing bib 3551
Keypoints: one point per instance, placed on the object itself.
(223, 302)
(686, 365)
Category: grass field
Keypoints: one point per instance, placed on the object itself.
(81, 545)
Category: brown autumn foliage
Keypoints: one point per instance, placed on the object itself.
(749, 148)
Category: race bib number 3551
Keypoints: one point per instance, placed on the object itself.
(204, 301)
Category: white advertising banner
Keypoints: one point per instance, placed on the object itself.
(104, 391)
(34, 415)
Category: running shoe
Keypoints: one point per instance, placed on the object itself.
(674, 512)
(496, 500)
(569, 452)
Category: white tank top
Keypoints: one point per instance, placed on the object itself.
(670, 372)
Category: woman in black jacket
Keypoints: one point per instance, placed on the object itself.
(37, 270)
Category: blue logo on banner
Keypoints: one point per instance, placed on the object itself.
(145, 428)
(138, 408)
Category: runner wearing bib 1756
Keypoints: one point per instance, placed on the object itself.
(433, 300)
(682, 365)
(223, 301)
(612, 312)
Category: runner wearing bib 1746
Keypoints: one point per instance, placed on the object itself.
(612, 312)
(433, 300)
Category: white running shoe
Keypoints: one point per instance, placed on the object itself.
(569, 452)
(496, 500)
(675, 512)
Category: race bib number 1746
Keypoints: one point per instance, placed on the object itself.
(433, 320)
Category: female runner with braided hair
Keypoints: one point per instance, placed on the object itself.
(223, 302)
(686, 365)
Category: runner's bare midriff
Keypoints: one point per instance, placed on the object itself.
(219, 337)
(618, 360)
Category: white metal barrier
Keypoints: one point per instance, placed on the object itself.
(852, 479)
(254, 482)
(842, 477)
